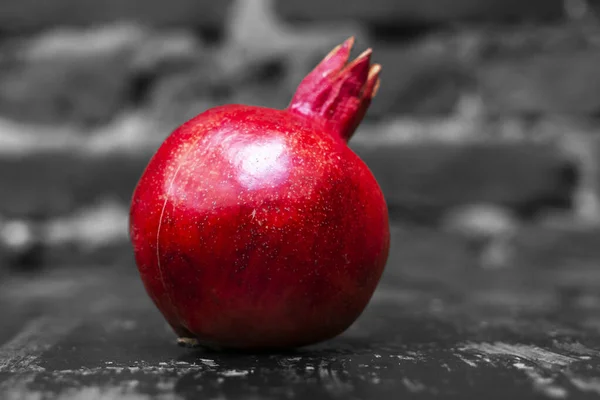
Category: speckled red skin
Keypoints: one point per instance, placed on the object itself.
(256, 228)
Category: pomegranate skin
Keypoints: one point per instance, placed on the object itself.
(256, 228)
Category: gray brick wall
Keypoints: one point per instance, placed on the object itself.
(76, 76)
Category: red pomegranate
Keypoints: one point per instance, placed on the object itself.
(256, 228)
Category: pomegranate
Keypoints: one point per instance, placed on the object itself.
(256, 228)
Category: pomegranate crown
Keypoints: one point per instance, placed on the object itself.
(337, 92)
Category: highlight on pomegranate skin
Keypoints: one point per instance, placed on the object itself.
(257, 228)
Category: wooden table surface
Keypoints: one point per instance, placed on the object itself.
(436, 328)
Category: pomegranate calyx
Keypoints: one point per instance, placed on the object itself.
(338, 93)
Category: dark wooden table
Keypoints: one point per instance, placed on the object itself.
(437, 328)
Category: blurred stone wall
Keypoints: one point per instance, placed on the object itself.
(482, 101)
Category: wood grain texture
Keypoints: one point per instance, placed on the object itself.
(436, 328)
